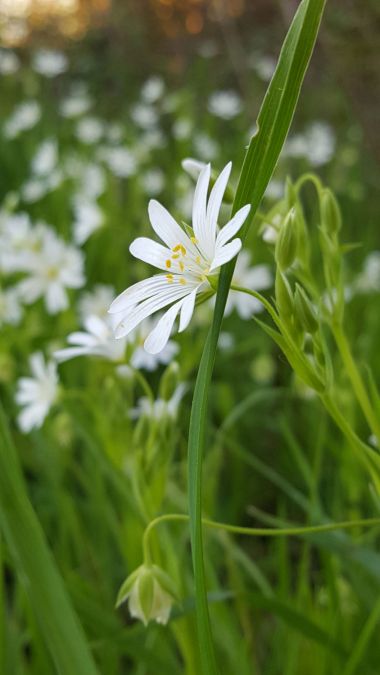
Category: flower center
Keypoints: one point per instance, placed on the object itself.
(186, 263)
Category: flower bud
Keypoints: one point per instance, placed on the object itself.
(305, 311)
(284, 295)
(150, 594)
(286, 245)
(330, 212)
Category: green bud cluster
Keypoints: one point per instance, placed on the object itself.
(286, 245)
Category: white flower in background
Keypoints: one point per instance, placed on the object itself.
(24, 117)
(96, 302)
(49, 62)
(148, 141)
(188, 259)
(115, 133)
(51, 270)
(205, 146)
(10, 308)
(226, 341)
(275, 189)
(96, 340)
(120, 161)
(193, 167)
(152, 89)
(225, 104)
(90, 179)
(317, 144)
(37, 394)
(88, 218)
(144, 115)
(270, 230)
(89, 130)
(369, 279)
(263, 65)
(19, 241)
(46, 158)
(33, 190)
(9, 62)
(140, 358)
(256, 278)
(159, 409)
(182, 129)
(153, 181)
(77, 103)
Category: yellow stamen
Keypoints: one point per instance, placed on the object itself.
(175, 256)
(176, 248)
(198, 259)
(182, 281)
(170, 278)
(181, 266)
(183, 250)
(168, 264)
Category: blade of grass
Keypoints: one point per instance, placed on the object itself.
(273, 124)
(34, 563)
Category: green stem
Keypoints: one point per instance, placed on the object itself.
(356, 379)
(254, 531)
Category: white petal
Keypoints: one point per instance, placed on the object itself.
(215, 202)
(233, 226)
(97, 327)
(187, 310)
(150, 251)
(62, 355)
(199, 210)
(81, 339)
(226, 253)
(166, 227)
(132, 295)
(158, 338)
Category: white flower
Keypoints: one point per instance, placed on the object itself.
(46, 157)
(89, 130)
(52, 269)
(88, 218)
(10, 308)
(141, 359)
(96, 340)
(119, 160)
(192, 166)
(225, 104)
(369, 279)
(49, 62)
(205, 146)
(255, 278)
(275, 189)
(317, 144)
(152, 89)
(24, 117)
(153, 181)
(187, 259)
(263, 65)
(150, 593)
(96, 302)
(77, 102)
(182, 129)
(90, 179)
(144, 115)
(159, 409)
(19, 240)
(9, 62)
(37, 393)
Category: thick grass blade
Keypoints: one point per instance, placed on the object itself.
(37, 570)
(273, 124)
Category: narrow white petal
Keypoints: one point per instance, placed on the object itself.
(81, 339)
(166, 227)
(158, 338)
(199, 209)
(150, 251)
(187, 310)
(132, 295)
(233, 226)
(226, 253)
(62, 355)
(215, 201)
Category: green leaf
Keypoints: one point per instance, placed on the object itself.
(58, 622)
(273, 125)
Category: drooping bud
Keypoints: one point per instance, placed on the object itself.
(286, 245)
(305, 311)
(150, 593)
(331, 218)
(284, 295)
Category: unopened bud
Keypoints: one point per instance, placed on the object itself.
(305, 311)
(150, 593)
(286, 245)
(330, 212)
(284, 295)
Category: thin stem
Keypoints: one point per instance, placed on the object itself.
(356, 379)
(254, 531)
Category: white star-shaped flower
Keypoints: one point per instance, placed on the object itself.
(188, 258)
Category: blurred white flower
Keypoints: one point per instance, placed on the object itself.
(159, 409)
(275, 189)
(182, 128)
(263, 65)
(88, 218)
(189, 261)
(9, 62)
(51, 270)
(96, 340)
(369, 279)
(226, 341)
(49, 62)
(89, 130)
(90, 179)
(10, 308)
(96, 302)
(150, 594)
(45, 158)
(205, 147)
(270, 230)
(153, 181)
(225, 104)
(25, 116)
(317, 144)
(255, 278)
(152, 89)
(144, 115)
(19, 239)
(140, 358)
(120, 161)
(38, 393)
(77, 103)
(35, 189)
